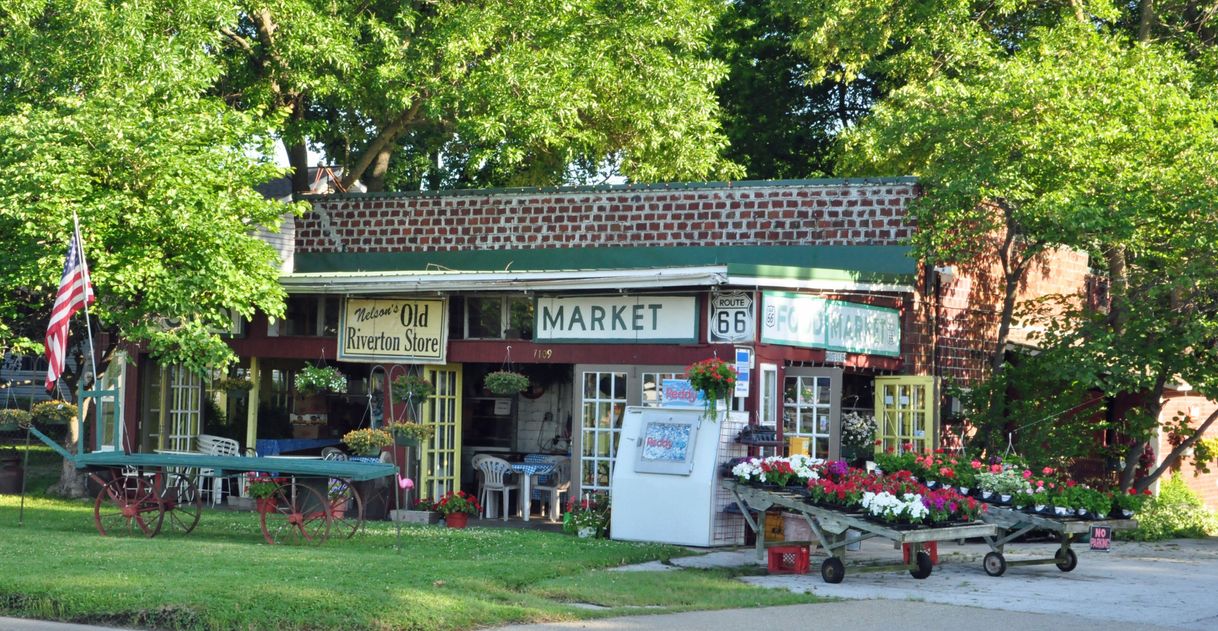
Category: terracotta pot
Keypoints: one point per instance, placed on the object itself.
(457, 520)
(264, 504)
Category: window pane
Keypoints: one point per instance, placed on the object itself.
(300, 317)
(485, 317)
(520, 318)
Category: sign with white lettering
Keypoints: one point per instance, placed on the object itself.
(731, 318)
(617, 319)
(393, 329)
(744, 366)
(812, 322)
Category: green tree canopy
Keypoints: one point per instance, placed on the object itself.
(105, 114)
(486, 93)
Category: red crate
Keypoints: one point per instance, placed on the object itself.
(931, 547)
(788, 560)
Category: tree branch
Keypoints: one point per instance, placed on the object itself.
(387, 135)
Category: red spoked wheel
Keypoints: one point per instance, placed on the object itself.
(127, 505)
(346, 508)
(295, 514)
(182, 501)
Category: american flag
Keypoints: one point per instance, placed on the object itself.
(74, 290)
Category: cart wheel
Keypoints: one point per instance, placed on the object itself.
(925, 567)
(994, 563)
(1066, 559)
(833, 570)
(346, 508)
(300, 515)
(127, 506)
(182, 501)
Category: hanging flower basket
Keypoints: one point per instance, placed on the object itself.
(505, 382)
(315, 380)
(413, 388)
(367, 441)
(409, 433)
(715, 378)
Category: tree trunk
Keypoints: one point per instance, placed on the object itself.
(375, 180)
(1146, 20)
(298, 159)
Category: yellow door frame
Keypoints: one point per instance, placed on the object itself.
(906, 410)
(440, 455)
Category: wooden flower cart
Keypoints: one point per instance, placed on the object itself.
(834, 530)
(1012, 524)
(141, 492)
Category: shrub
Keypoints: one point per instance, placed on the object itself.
(1176, 512)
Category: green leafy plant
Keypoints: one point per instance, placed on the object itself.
(261, 485)
(458, 502)
(53, 413)
(367, 440)
(715, 378)
(411, 430)
(318, 379)
(12, 418)
(505, 382)
(1175, 512)
(590, 512)
(413, 388)
(234, 383)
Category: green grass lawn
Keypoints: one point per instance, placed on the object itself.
(223, 576)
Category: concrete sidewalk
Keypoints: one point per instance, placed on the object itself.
(1145, 586)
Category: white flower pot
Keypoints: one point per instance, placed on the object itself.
(587, 532)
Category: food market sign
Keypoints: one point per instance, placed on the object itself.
(393, 329)
(620, 319)
(812, 322)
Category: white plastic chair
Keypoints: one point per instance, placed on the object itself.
(495, 480)
(554, 485)
(473, 464)
(209, 481)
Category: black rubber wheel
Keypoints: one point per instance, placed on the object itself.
(994, 563)
(925, 567)
(833, 570)
(1066, 559)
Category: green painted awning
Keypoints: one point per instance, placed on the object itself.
(862, 262)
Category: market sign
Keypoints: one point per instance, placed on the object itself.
(408, 331)
(621, 319)
(835, 325)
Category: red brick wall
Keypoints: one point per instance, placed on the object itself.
(970, 305)
(810, 213)
(1198, 409)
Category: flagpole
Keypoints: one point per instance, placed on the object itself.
(84, 265)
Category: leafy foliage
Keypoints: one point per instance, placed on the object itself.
(1175, 512)
(105, 113)
(498, 93)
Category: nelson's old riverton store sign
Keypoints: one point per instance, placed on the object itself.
(393, 329)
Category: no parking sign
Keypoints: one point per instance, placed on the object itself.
(1101, 538)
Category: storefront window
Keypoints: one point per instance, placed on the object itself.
(807, 409)
(499, 317)
(484, 318)
(604, 404)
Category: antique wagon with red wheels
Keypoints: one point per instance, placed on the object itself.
(142, 494)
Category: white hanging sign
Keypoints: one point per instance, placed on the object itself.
(617, 319)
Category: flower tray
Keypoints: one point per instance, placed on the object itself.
(788, 560)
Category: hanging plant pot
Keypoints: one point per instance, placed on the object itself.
(505, 382)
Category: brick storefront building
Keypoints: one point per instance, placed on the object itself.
(599, 294)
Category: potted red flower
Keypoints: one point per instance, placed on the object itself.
(457, 506)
